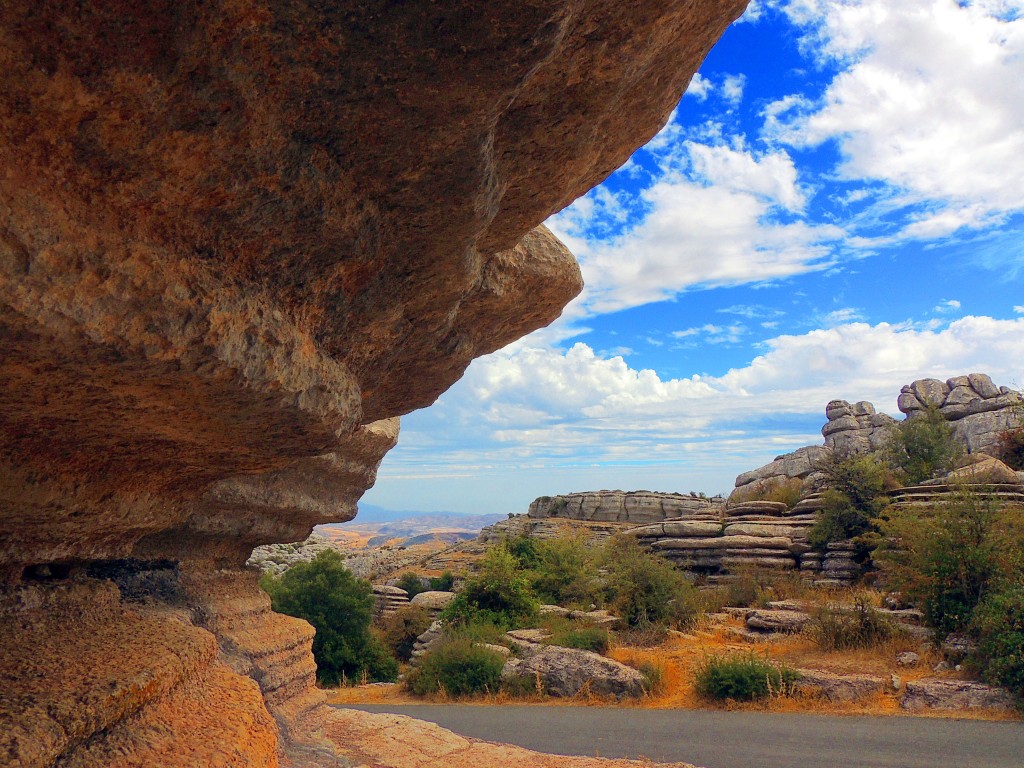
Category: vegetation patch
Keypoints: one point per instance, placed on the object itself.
(742, 677)
(340, 606)
(458, 667)
(836, 628)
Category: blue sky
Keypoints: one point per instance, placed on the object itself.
(835, 208)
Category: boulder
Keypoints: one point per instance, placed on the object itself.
(433, 602)
(838, 688)
(567, 672)
(954, 694)
(777, 621)
(988, 470)
(907, 659)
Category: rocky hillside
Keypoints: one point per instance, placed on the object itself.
(977, 409)
(237, 242)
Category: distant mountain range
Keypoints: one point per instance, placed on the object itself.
(375, 526)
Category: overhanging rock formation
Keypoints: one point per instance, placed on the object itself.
(237, 240)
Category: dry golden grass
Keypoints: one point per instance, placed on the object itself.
(679, 656)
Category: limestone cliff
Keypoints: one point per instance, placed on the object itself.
(238, 239)
(634, 507)
(977, 409)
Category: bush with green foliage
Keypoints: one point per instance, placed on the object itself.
(443, 583)
(998, 626)
(644, 589)
(742, 677)
(411, 583)
(340, 606)
(952, 556)
(400, 630)
(499, 594)
(564, 572)
(584, 638)
(854, 500)
(836, 628)
(524, 550)
(458, 667)
(923, 446)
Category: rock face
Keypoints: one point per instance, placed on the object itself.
(237, 241)
(978, 410)
(569, 672)
(954, 694)
(622, 507)
(278, 558)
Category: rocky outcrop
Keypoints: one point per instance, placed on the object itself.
(855, 428)
(388, 600)
(568, 672)
(838, 688)
(635, 507)
(978, 410)
(237, 241)
(954, 694)
(278, 558)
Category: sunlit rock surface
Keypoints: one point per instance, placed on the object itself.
(237, 240)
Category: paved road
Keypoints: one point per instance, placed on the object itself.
(736, 739)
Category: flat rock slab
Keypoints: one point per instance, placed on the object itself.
(954, 694)
(838, 688)
(777, 621)
(568, 672)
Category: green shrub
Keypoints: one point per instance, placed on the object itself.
(411, 583)
(999, 629)
(457, 668)
(524, 550)
(923, 446)
(499, 594)
(644, 589)
(854, 499)
(443, 583)
(843, 628)
(949, 558)
(584, 638)
(340, 606)
(564, 572)
(742, 677)
(400, 630)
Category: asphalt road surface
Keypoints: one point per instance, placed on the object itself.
(736, 739)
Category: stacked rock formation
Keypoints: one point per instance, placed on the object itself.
(237, 241)
(388, 600)
(978, 410)
(635, 507)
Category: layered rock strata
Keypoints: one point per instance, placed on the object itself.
(635, 507)
(237, 241)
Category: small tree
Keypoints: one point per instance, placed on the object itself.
(340, 606)
(500, 594)
(644, 589)
(999, 629)
(565, 572)
(854, 499)
(411, 583)
(950, 558)
(923, 446)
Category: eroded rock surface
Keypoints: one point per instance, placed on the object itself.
(635, 507)
(237, 241)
